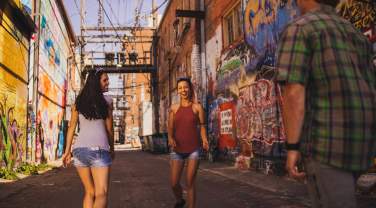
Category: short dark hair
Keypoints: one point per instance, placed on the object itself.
(332, 3)
(190, 85)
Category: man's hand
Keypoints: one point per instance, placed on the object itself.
(293, 157)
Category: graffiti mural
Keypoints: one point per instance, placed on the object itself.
(231, 69)
(259, 121)
(52, 74)
(13, 93)
(362, 14)
(242, 75)
(12, 133)
(49, 118)
(263, 21)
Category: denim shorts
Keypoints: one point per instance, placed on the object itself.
(182, 156)
(91, 157)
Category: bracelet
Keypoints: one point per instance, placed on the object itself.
(295, 146)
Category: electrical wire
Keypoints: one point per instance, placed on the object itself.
(112, 25)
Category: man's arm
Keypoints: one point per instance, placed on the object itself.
(293, 109)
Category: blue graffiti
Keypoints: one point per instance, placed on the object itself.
(263, 38)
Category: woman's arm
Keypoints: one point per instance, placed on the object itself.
(201, 116)
(171, 139)
(71, 129)
(110, 129)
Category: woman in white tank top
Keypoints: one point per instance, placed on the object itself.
(93, 150)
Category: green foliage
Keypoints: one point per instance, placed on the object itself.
(27, 169)
(30, 169)
(8, 174)
(44, 166)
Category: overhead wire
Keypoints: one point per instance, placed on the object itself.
(109, 19)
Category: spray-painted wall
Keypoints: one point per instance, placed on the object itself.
(244, 112)
(14, 48)
(52, 72)
(243, 103)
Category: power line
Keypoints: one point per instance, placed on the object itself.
(158, 7)
(112, 25)
(113, 12)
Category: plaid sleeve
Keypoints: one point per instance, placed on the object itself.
(293, 56)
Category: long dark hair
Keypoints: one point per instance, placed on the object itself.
(90, 102)
(190, 85)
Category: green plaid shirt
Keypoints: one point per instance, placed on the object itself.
(326, 54)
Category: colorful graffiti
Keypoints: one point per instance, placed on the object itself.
(259, 121)
(12, 135)
(242, 75)
(362, 14)
(230, 70)
(52, 85)
(49, 120)
(263, 21)
(13, 93)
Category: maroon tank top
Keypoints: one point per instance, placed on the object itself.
(186, 132)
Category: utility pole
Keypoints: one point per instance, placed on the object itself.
(154, 75)
(154, 14)
(82, 40)
(35, 79)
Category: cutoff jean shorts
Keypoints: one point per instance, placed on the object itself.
(91, 157)
(182, 156)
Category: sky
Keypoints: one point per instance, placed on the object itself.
(121, 12)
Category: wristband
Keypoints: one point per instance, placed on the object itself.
(295, 146)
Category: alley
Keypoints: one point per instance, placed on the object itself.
(139, 180)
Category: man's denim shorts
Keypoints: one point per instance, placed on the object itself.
(91, 157)
(182, 156)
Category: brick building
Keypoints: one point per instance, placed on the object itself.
(230, 56)
(178, 53)
(137, 89)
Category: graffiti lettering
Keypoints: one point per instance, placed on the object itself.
(362, 14)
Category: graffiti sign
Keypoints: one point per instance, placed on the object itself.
(226, 120)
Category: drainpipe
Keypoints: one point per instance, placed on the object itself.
(35, 77)
(204, 73)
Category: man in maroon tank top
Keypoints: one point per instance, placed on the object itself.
(185, 125)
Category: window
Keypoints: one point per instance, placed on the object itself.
(232, 25)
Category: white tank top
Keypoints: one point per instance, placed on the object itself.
(92, 132)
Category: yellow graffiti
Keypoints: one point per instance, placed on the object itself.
(362, 14)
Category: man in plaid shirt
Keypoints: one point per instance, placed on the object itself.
(329, 101)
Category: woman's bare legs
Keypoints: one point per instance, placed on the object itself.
(191, 185)
(87, 181)
(176, 170)
(101, 178)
